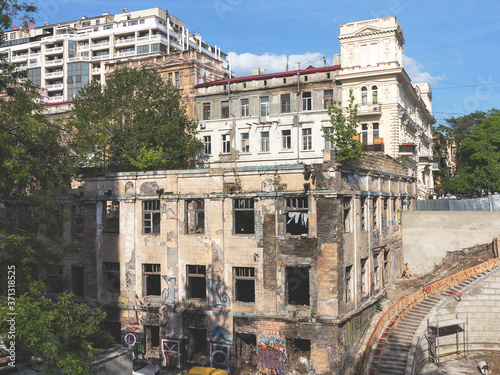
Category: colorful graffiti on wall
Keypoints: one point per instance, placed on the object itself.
(271, 355)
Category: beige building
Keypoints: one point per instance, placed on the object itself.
(211, 265)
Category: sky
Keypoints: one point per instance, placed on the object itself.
(453, 45)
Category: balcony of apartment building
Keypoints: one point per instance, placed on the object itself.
(54, 74)
(34, 63)
(59, 86)
(34, 53)
(21, 67)
(55, 99)
(125, 40)
(369, 109)
(20, 57)
(56, 61)
(54, 50)
(408, 149)
(377, 145)
(96, 70)
(125, 52)
(100, 44)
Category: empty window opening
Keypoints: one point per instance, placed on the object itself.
(152, 337)
(244, 216)
(364, 277)
(297, 282)
(299, 353)
(152, 279)
(296, 215)
(77, 280)
(195, 216)
(77, 221)
(301, 346)
(197, 344)
(54, 279)
(112, 216)
(151, 214)
(197, 281)
(375, 212)
(346, 202)
(386, 275)
(348, 284)
(244, 284)
(111, 272)
(246, 347)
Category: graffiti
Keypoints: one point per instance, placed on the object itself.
(219, 356)
(221, 335)
(164, 318)
(128, 281)
(272, 355)
(129, 188)
(169, 294)
(171, 353)
(131, 340)
(217, 295)
(332, 360)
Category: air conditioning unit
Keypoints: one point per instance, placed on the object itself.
(203, 126)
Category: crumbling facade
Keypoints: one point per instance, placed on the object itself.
(211, 265)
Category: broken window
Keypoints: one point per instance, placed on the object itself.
(197, 281)
(285, 103)
(297, 215)
(300, 347)
(54, 279)
(348, 284)
(152, 337)
(111, 272)
(244, 284)
(297, 283)
(346, 203)
(224, 110)
(245, 142)
(77, 280)
(195, 216)
(306, 101)
(328, 98)
(151, 214)
(152, 279)
(246, 347)
(112, 216)
(77, 221)
(197, 343)
(364, 277)
(206, 111)
(244, 216)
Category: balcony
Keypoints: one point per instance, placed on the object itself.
(85, 47)
(143, 38)
(54, 75)
(54, 62)
(34, 55)
(56, 87)
(35, 64)
(407, 149)
(100, 45)
(52, 51)
(19, 58)
(100, 57)
(371, 109)
(96, 71)
(125, 54)
(377, 146)
(425, 159)
(121, 42)
(55, 99)
(79, 58)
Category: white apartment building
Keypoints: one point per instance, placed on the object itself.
(278, 118)
(64, 57)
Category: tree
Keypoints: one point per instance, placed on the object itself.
(134, 123)
(344, 136)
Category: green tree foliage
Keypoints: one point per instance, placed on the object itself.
(59, 333)
(344, 136)
(134, 123)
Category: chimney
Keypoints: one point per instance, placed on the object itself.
(336, 59)
(297, 65)
(256, 71)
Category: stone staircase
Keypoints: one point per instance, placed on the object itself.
(393, 351)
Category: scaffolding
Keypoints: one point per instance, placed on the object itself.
(457, 327)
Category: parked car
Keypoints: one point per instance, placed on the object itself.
(206, 371)
(142, 367)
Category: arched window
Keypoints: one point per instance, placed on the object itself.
(375, 94)
(364, 96)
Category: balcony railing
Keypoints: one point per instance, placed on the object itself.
(124, 54)
(54, 75)
(19, 58)
(84, 48)
(56, 87)
(377, 147)
(370, 109)
(425, 159)
(96, 71)
(100, 45)
(54, 62)
(79, 58)
(55, 99)
(407, 148)
(51, 51)
(120, 42)
(33, 55)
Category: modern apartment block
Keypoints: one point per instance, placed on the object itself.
(64, 57)
(259, 264)
(276, 118)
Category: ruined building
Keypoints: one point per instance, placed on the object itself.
(209, 265)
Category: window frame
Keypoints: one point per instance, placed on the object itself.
(115, 208)
(328, 98)
(245, 107)
(245, 143)
(264, 106)
(307, 139)
(297, 204)
(207, 145)
(306, 101)
(239, 274)
(196, 275)
(224, 109)
(285, 103)
(197, 214)
(364, 95)
(151, 225)
(265, 141)
(206, 111)
(226, 144)
(286, 139)
(154, 271)
(243, 206)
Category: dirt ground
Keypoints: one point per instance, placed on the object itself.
(460, 366)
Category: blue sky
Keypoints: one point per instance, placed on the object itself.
(453, 45)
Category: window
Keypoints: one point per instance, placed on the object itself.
(306, 101)
(286, 135)
(297, 283)
(385, 213)
(328, 143)
(195, 216)
(364, 277)
(244, 216)
(158, 47)
(177, 82)
(142, 22)
(374, 95)
(285, 103)
(348, 284)
(328, 98)
(111, 272)
(142, 49)
(77, 281)
(224, 109)
(108, 27)
(206, 111)
(244, 284)
(364, 133)
(375, 131)
(97, 22)
(152, 279)
(264, 141)
(77, 221)
(226, 144)
(245, 142)
(364, 96)
(54, 282)
(307, 139)
(245, 108)
(133, 23)
(197, 281)
(297, 215)
(112, 216)
(86, 24)
(207, 145)
(264, 106)
(346, 202)
(151, 215)
(170, 75)
(152, 336)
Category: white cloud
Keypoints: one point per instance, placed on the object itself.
(414, 70)
(243, 64)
